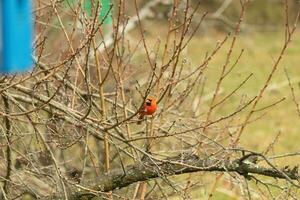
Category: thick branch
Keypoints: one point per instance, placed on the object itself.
(181, 164)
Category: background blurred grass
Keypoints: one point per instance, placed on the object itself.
(261, 49)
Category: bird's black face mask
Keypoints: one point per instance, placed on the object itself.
(148, 102)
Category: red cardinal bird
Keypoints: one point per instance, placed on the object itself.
(148, 109)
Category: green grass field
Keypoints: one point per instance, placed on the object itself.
(261, 49)
(260, 52)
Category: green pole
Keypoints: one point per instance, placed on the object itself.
(105, 8)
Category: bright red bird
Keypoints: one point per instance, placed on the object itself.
(148, 109)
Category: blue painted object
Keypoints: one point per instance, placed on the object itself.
(16, 29)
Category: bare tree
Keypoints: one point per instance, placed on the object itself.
(69, 127)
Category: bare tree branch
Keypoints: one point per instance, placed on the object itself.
(181, 164)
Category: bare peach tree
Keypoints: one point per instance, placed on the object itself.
(69, 128)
